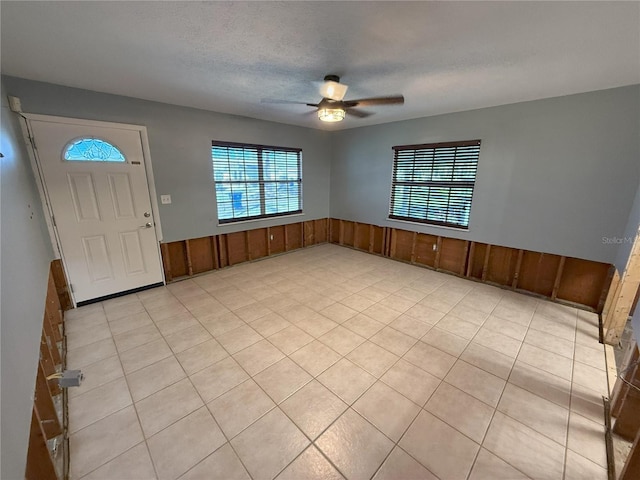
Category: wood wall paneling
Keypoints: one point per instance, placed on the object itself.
(402, 242)
(476, 268)
(538, 272)
(202, 255)
(347, 233)
(377, 240)
(45, 407)
(321, 230)
(48, 364)
(582, 281)
(309, 233)
(572, 280)
(362, 236)
(236, 247)
(45, 423)
(258, 243)
(166, 261)
(51, 342)
(62, 285)
(177, 259)
(277, 239)
(501, 266)
(453, 255)
(222, 251)
(334, 230)
(39, 463)
(53, 305)
(294, 236)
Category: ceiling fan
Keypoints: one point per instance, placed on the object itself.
(333, 107)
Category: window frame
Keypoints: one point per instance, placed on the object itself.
(261, 181)
(468, 185)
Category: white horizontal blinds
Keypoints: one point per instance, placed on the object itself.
(256, 181)
(282, 181)
(433, 183)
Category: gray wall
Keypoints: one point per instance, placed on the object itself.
(25, 253)
(555, 175)
(180, 143)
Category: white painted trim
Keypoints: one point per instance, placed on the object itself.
(35, 164)
(428, 225)
(152, 185)
(35, 167)
(44, 198)
(230, 224)
(82, 121)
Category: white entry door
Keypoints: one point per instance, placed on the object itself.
(97, 186)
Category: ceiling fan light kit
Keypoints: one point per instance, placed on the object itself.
(331, 114)
(332, 88)
(332, 108)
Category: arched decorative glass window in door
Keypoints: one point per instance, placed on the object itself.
(90, 149)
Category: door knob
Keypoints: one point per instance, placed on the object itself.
(147, 225)
(147, 214)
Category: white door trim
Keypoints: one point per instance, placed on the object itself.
(42, 188)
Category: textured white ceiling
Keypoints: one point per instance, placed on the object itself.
(227, 56)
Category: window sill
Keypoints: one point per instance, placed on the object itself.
(430, 225)
(239, 222)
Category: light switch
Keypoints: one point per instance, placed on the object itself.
(165, 199)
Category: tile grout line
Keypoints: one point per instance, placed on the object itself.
(495, 410)
(367, 339)
(566, 450)
(134, 409)
(205, 405)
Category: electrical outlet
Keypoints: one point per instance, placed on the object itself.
(165, 199)
(271, 237)
(71, 378)
(435, 247)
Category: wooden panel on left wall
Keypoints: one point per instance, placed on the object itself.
(44, 462)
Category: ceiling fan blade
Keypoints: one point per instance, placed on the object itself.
(358, 113)
(366, 102)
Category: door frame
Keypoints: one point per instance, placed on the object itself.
(32, 151)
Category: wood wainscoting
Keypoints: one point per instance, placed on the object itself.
(574, 281)
(185, 258)
(47, 445)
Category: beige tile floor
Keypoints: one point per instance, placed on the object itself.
(328, 363)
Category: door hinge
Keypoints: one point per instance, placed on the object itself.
(53, 220)
(71, 287)
(33, 142)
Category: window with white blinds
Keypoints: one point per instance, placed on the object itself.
(433, 183)
(256, 181)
